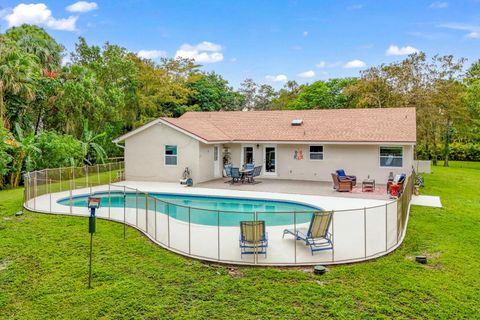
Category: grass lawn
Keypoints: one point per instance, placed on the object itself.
(44, 264)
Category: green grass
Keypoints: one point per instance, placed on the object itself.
(43, 270)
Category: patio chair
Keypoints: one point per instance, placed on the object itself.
(341, 185)
(343, 176)
(317, 235)
(228, 171)
(398, 179)
(253, 238)
(235, 175)
(249, 166)
(255, 173)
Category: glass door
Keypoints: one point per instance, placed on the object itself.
(247, 155)
(270, 160)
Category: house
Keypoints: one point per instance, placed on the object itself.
(294, 144)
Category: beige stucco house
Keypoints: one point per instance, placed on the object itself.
(297, 144)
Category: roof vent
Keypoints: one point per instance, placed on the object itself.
(297, 122)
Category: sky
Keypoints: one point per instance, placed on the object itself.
(268, 41)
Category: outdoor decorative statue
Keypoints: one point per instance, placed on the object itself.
(298, 154)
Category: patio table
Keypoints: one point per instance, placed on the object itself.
(244, 173)
(368, 185)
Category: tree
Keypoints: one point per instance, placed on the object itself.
(58, 150)
(5, 157)
(26, 152)
(34, 40)
(92, 151)
(286, 95)
(212, 93)
(324, 95)
(18, 71)
(257, 96)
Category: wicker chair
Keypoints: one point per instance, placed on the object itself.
(341, 185)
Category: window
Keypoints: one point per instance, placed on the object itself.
(215, 153)
(391, 157)
(171, 155)
(316, 152)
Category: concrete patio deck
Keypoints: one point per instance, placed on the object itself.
(320, 188)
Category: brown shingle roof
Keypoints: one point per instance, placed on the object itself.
(332, 125)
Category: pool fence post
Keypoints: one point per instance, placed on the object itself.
(295, 232)
(73, 176)
(71, 200)
(168, 224)
(86, 175)
(35, 191)
(109, 172)
(365, 231)
(60, 177)
(333, 236)
(155, 217)
(146, 213)
(109, 201)
(124, 213)
(136, 207)
(50, 195)
(189, 234)
(386, 226)
(98, 174)
(46, 180)
(218, 234)
(255, 254)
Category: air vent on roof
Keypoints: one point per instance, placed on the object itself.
(297, 122)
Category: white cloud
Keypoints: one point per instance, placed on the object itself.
(438, 5)
(82, 6)
(394, 50)
(233, 60)
(40, 15)
(354, 64)
(305, 33)
(473, 30)
(206, 52)
(277, 78)
(473, 35)
(325, 64)
(307, 74)
(151, 54)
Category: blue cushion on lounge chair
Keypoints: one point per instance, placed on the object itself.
(341, 173)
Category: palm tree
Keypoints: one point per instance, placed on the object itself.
(91, 149)
(18, 71)
(25, 150)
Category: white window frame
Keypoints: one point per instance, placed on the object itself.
(165, 155)
(322, 153)
(380, 156)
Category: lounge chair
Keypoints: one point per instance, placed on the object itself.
(235, 175)
(253, 238)
(345, 185)
(255, 173)
(317, 235)
(343, 176)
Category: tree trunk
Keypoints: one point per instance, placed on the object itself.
(446, 149)
(37, 124)
(2, 105)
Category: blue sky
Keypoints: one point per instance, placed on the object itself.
(269, 41)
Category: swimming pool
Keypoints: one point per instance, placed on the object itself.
(206, 210)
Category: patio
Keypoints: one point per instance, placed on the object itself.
(320, 188)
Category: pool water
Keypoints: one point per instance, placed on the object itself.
(206, 210)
